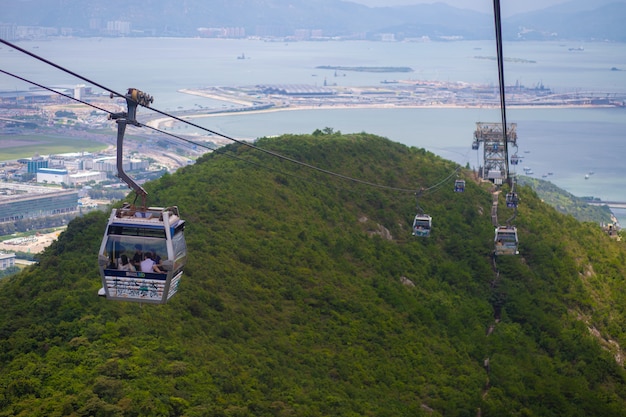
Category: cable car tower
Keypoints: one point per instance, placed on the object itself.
(495, 149)
(143, 251)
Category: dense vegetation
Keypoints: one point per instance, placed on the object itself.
(567, 203)
(306, 295)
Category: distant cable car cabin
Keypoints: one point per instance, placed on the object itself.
(506, 241)
(459, 186)
(515, 159)
(512, 200)
(422, 225)
(129, 236)
(475, 145)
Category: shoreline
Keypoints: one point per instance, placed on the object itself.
(404, 94)
(165, 122)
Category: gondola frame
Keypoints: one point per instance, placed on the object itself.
(153, 227)
(506, 241)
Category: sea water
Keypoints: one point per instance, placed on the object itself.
(568, 143)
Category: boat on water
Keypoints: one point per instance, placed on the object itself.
(586, 176)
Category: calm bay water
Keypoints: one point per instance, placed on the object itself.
(567, 142)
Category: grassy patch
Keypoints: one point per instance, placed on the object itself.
(14, 147)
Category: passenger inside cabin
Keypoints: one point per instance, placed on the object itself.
(148, 264)
(156, 258)
(112, 262)
(125, 264)
(138, 256)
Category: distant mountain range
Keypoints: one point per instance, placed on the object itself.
(576, 20)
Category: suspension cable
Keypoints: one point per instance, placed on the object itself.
(498, 26)
(189, 141)
(244, 143)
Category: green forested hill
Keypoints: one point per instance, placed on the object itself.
(306, 295)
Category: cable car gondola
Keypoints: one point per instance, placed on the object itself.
(151, 236)
(506, 241)
(512, 200)
(422, 225)
(459, 186)
(155, 231)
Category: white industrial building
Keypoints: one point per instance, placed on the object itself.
(109, 164)
(83, 177)
(52, 176)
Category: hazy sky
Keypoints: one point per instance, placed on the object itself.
(508, 7)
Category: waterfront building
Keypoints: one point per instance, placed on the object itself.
(7, 31)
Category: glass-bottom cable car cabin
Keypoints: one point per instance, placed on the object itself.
(422, 224)
(132, 236)
(506, 242)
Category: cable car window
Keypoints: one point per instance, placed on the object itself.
(422, 225)
(506, 241)
(131, 246)
(180, 250)
(511, 200)
(156, 232)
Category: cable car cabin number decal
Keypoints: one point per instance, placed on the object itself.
(140, 286)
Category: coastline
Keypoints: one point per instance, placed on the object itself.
(403, 94)
(168, 122)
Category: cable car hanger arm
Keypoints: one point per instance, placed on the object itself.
(133, 98)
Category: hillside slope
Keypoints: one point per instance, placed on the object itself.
(305, 294)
